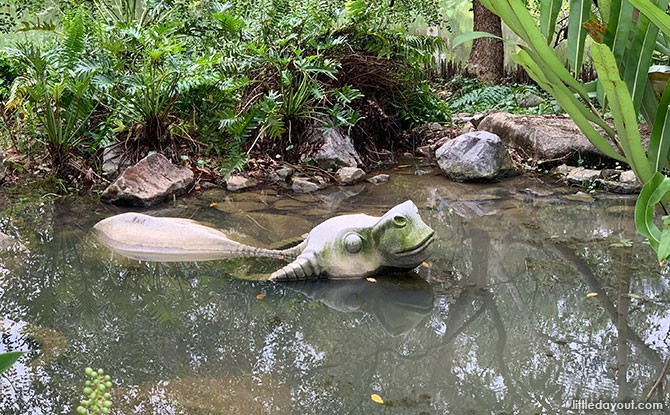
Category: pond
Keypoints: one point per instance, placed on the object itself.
(535, 297)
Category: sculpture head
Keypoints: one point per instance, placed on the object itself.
(354, 246)
(403, 239)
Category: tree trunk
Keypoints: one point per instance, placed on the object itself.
(487, 57)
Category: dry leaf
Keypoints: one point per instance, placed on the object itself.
(197, 188)
(371, 279)
(260, 296)
(376, 398)
(281, 257)
(212, 204)
(435, 279)
(402, 166)
(425, 264)
(591, 295)
(661, 263)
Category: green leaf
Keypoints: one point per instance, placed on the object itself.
(8, 359)
(653, 13)
(579, 113)
(580, 11)
(465, 37)
(652, 192)
(621, 104)
(548, 12)
(659, 141)
(638, 56)
(664, 245)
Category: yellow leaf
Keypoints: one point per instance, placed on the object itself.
(212, 204)
(425, 264)
(402, 166)
(260, 296)
(371, 279)
(591, 295)
(197, 188)
(376, 398)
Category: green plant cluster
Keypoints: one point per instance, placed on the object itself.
(97, 392)
(181, 77)
(472, 96)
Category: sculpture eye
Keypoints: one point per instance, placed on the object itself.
(399, 221)
(353, 242)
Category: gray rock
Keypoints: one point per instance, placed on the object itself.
(424, 151)
(610, 174)
(474, 156)
(562, 170)
(543, 137)
(302, 185)
(285, 172)
(5, 241)
(240, 182)
(628, 176)
(114, 160)
(349, 175)
(151, 181)
(379, 179)
(582, 176)
(529, 100)
(626, 188)
(335, 149)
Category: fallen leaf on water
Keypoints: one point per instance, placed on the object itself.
(402, 166)
(260, 296)
(281, 257)
(212, 204)
(591, 295)
(435, 279)
(371, 279)
(636, 296)
(662, 262)
(425, 264)
(376, 398)
(197, 188)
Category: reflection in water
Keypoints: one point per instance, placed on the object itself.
(399, 302)
(497, 321)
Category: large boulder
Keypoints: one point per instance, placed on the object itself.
(542, 137)
(475, 156)
(152, 180)
(334, 148)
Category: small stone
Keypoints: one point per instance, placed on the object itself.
(628, 176)
(379, 179)
(240, 182)
(302, 185)
(529, 100)
(207, 185)
(152, 180)
(477, 118)
(114, 160)
(349, 175)
(610, 174)
(562, 170)
(285, 172)
(423, 151)
(582, 176)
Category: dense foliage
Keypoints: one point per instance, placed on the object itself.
(224, 79)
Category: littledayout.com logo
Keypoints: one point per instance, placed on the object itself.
(583, 404)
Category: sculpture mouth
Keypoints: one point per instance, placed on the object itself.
(419, 247)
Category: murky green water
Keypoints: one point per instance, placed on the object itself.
(498, 322)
